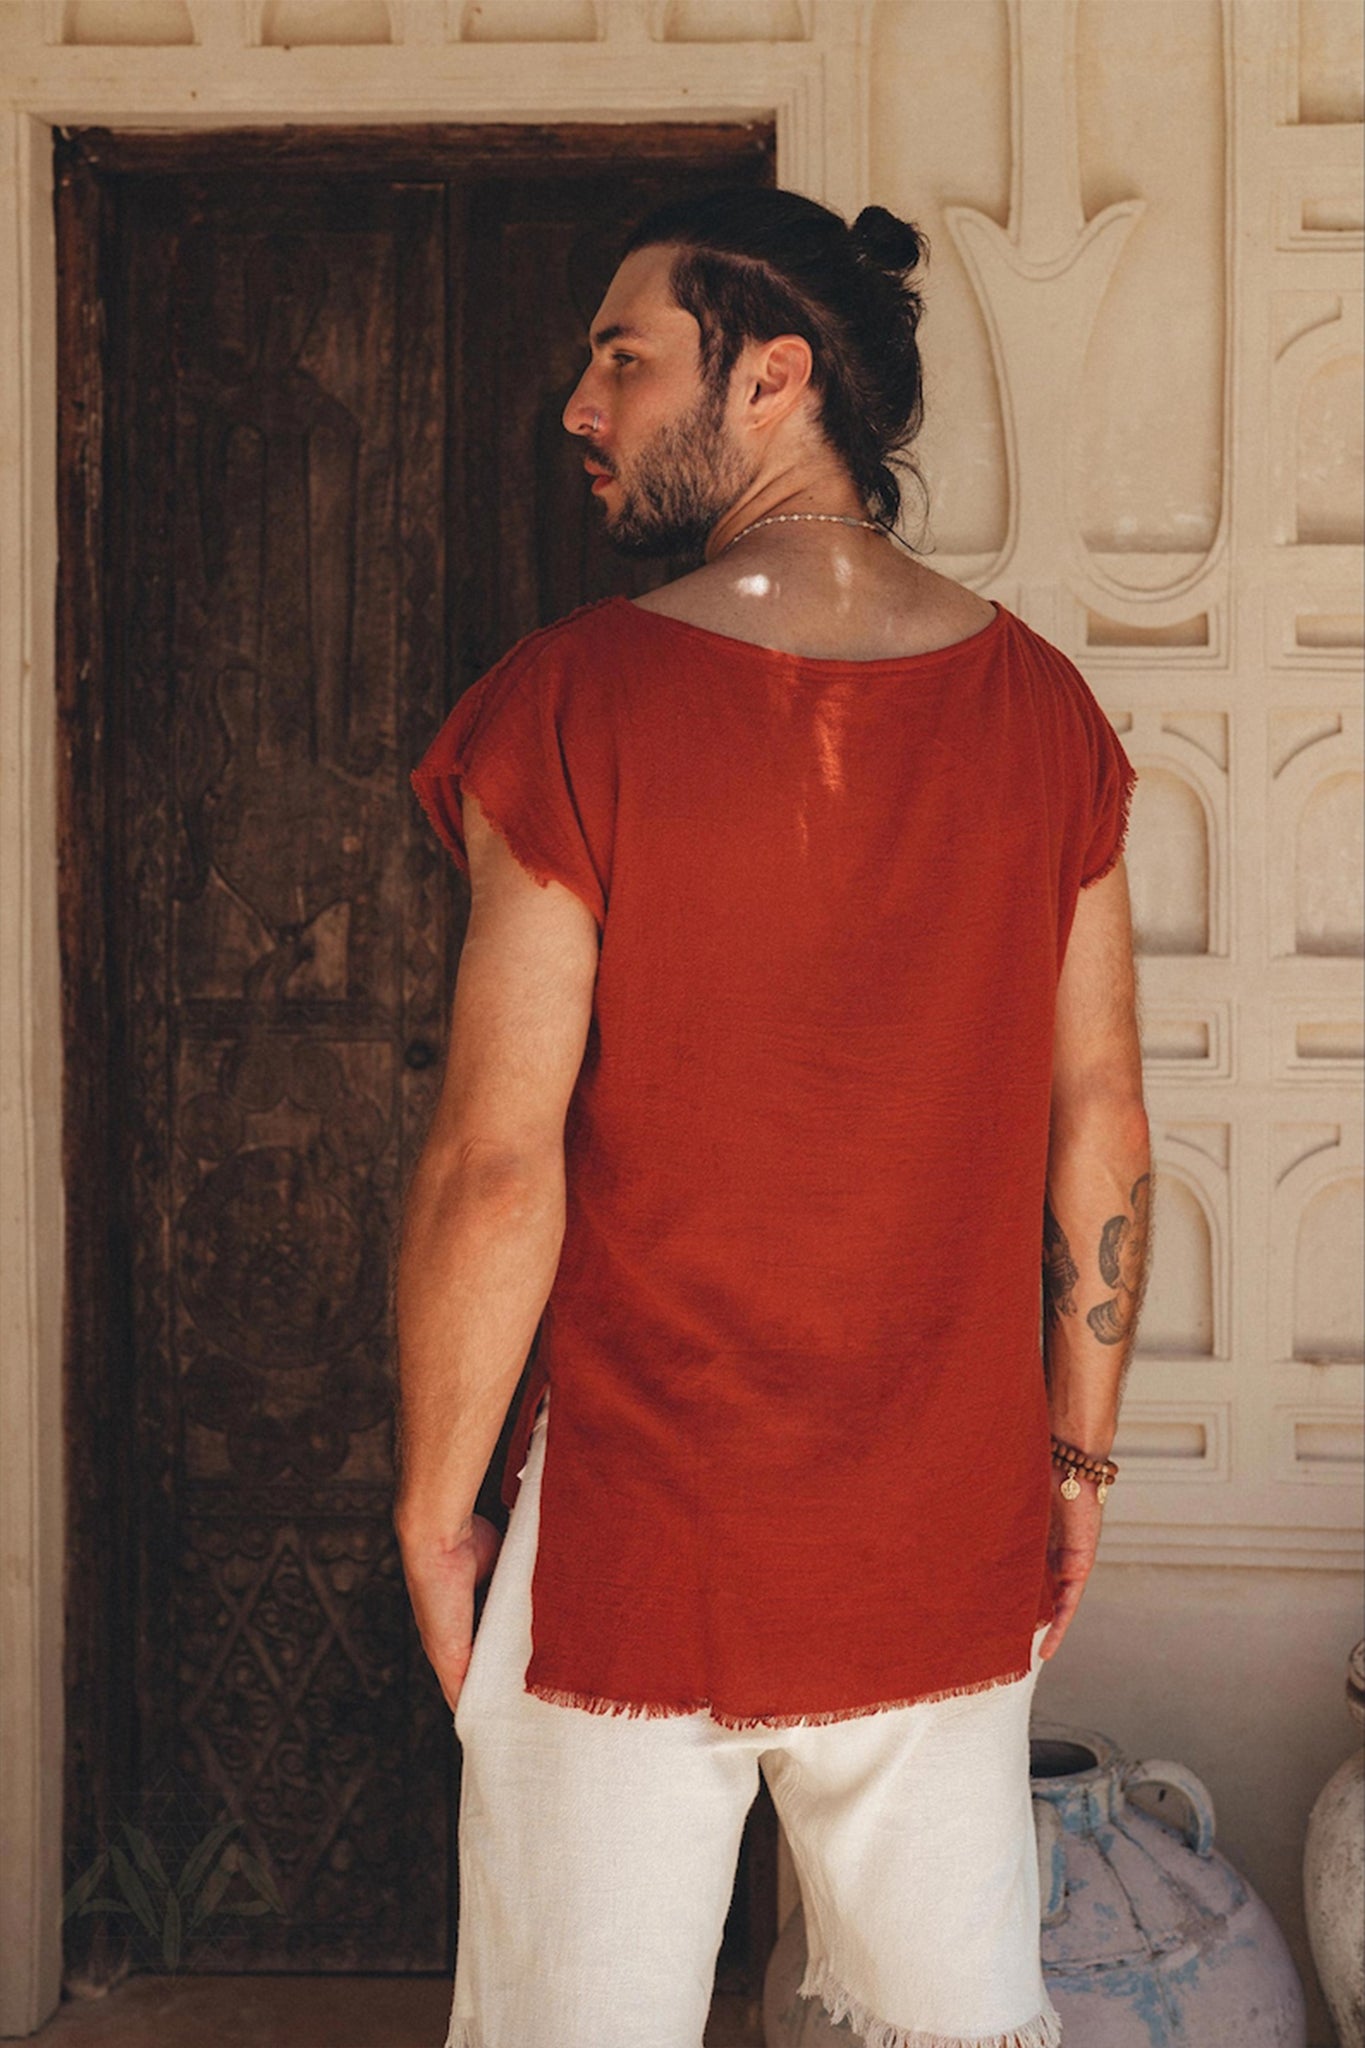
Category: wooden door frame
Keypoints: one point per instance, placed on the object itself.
(815, 91)
(101, 1506)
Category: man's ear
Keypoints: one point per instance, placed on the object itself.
(775, 378)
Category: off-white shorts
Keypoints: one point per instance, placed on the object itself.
(598, 1855)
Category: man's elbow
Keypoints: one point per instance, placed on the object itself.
(1114, 1109)
(498, 1176)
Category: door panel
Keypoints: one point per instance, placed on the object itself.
(281, 923)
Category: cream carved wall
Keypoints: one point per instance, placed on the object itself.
(1143, 351)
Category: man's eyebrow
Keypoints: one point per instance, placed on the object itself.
(618, 331)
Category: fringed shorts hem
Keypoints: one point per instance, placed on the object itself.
(1044, 2030)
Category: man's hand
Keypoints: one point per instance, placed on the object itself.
(441, 1582)
(1072, 1542)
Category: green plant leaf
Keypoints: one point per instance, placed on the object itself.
(105, 1906)
(197, 1864)
(246, 1906)
(144, 1850)
(135, 1891)
(170, 1936)
(260, 1880)
(84, 1885)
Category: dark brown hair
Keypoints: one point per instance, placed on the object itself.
(753, 263)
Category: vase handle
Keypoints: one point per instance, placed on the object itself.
(1051, 1839)
(1198, 1828)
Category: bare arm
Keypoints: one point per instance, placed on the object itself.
(1097, 1213)
(484, 1221)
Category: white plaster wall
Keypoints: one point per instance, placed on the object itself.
(1192, 405)
(1143, 349)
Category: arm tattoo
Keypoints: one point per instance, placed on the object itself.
(1060, 1271)
(1123, 1258)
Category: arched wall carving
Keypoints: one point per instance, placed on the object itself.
(1329, 1315)
(1318, 1161)
(283, 23)
(1314, 910)
(1329, 349)
(1169, 866)
(1178, 1316)
(1197, 1157)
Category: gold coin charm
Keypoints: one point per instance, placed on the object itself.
(1071, 1486)
(1100, 1492)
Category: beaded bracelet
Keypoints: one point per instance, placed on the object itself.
(1102, 1470)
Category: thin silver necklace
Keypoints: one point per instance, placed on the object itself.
(778, 518)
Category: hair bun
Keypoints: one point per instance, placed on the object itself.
(880, 238)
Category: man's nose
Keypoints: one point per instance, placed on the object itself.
(579, 416)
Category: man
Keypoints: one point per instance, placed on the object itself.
(794, 1027)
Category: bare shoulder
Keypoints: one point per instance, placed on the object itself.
(678, 599)
(954, 602)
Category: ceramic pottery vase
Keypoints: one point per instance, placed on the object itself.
(1150, 1937)
(1334, 1878)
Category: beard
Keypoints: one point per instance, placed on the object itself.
(683, 480)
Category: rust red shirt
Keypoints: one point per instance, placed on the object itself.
(799, 1462)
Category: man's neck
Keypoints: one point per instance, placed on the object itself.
(803, 489)
(829, 592)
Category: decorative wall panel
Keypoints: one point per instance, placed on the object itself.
(283, 23)
(1318, 1308)
(1330, 1042)
(1329, 1312)
(1190, 1290)
(1040, 281)
(153, 23)
(1178, 1317)
(1170, 865)
(1329, 913)
(943, 75)
(1159, 292)
(1329, 62)
(1148, 447)
(529, 21)
(1317, 910)
(1185, 1440)
(1329, 635)
(1318, 446)
(1331, 447)
(734, 21)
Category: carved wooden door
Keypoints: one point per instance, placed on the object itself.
(336, 488)
(280, 927)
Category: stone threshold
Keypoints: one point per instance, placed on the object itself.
(298, 2012)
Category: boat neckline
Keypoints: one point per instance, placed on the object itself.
(872, 663)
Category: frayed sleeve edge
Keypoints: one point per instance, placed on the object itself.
(1128, 785)
(441, 794)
